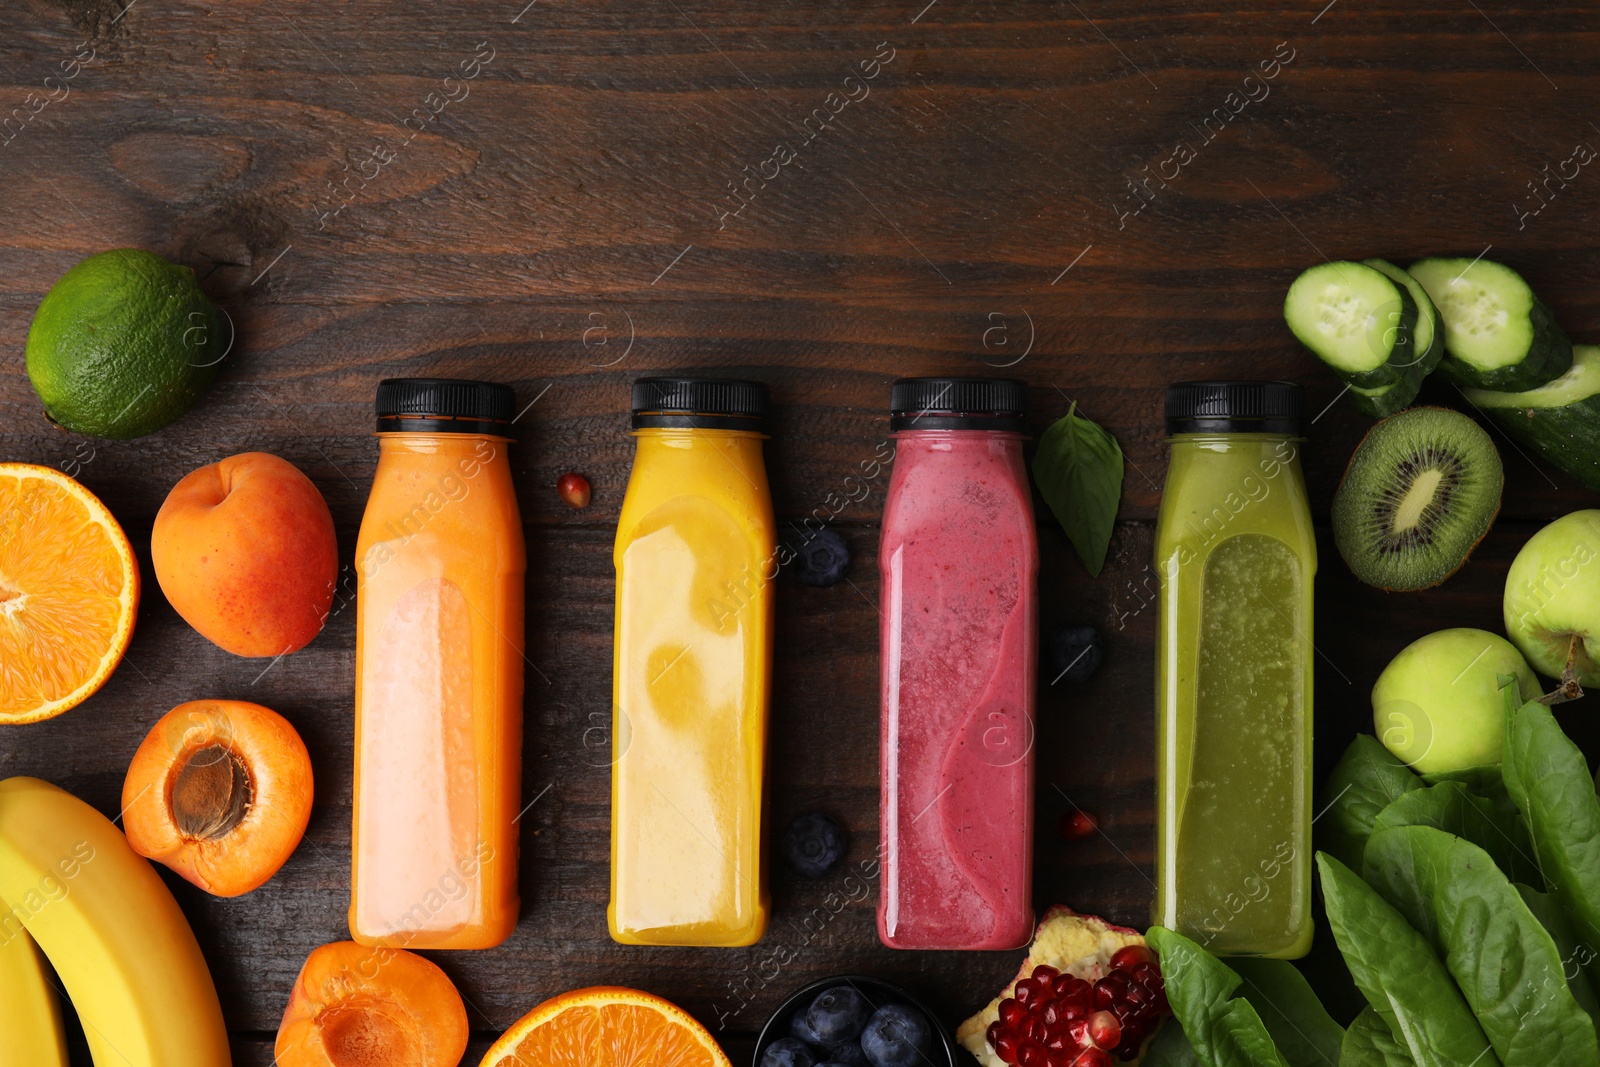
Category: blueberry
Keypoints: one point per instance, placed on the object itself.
(788, 1052)
(1072, 654)
(821, 558)
(848, 1055)
(800, 1026)
(897, 1036)
(838, 1015)
(813, 845)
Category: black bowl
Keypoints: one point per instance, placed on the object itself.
(878, 993)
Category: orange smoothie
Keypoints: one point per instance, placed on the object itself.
(439, 655)
(695, 554)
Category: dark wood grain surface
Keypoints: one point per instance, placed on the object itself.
(1087, 193)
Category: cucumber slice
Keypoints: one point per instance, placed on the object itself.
(1428, 337)
(1355, 319)
(1427, 342)
(1559, 421)
(1497, 333)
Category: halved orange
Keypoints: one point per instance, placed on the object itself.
(69, 591)
(606, 1026)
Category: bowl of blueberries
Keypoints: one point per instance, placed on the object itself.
(854, 1021)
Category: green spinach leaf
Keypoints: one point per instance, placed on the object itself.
(1368, 1043)
(1367, 779)
(1078, 469)
(1449, 807)
(1397, 971)
(1549, 780)
(1304, 1031)
(1574, 954)
(1225, 1032)
(1486, 781)
(1503, 960)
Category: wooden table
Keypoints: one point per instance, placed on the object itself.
(1099, 197)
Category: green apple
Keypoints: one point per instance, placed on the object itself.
(1553, 596)
(1437, 705)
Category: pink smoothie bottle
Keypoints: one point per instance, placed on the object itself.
(958, 564)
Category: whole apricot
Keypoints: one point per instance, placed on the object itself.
(244, 550)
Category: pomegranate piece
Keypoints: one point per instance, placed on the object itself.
(1088, 994)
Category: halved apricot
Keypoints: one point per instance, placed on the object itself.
(220, 791)
(355, 1006)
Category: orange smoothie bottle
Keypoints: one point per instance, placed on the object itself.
(692, 660)
(439, 572)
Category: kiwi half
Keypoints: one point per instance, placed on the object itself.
(1421, 491)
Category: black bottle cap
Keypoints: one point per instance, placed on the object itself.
(700, 403)
(444, 405)
(958, 404)
(1235, 407)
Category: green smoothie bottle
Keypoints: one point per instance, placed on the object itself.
(1235, 556)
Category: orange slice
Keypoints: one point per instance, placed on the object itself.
(606, 1026)
(69, 591)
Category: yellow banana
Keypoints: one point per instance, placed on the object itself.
(119, 943)
(30, 1015)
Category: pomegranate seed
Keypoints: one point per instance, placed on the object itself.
(1077, 824)
(574, 490)
(1052, 1014)
(1127, 1052)
(1024, 990)
(1032, 1054)
(1138, 996)
(1064, 1057)
(1076, 1004)
(992, 1035)
(1128, 956)
(1012, 1012)
(1034, 1029)
(1006, 1048)
(1145, 973)
(1063, 984)
(1045, 971)
(1092, 1057)
(1078, 1030)
(1105, 993)
(1105, 1029)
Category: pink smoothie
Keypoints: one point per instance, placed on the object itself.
(958, 559)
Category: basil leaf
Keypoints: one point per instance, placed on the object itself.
(1397, 971)
(1449, 807)
(1503, 960)
(1549, 780)
(1367, 779)
(1224, 1032)
(1078, 469)
(1305, 1033)
(1574, 954)
(1368, 1043)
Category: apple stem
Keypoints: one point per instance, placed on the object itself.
(1569, 689)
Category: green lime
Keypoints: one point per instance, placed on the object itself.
(124, 343)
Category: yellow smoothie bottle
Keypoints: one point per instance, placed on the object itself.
(1236, 556)
(439, 602)
(695, 557)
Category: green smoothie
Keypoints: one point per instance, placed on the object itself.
(1236, 556)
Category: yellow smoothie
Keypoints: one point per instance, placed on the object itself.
(695, 555)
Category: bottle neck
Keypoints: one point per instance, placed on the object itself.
(484, 448)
